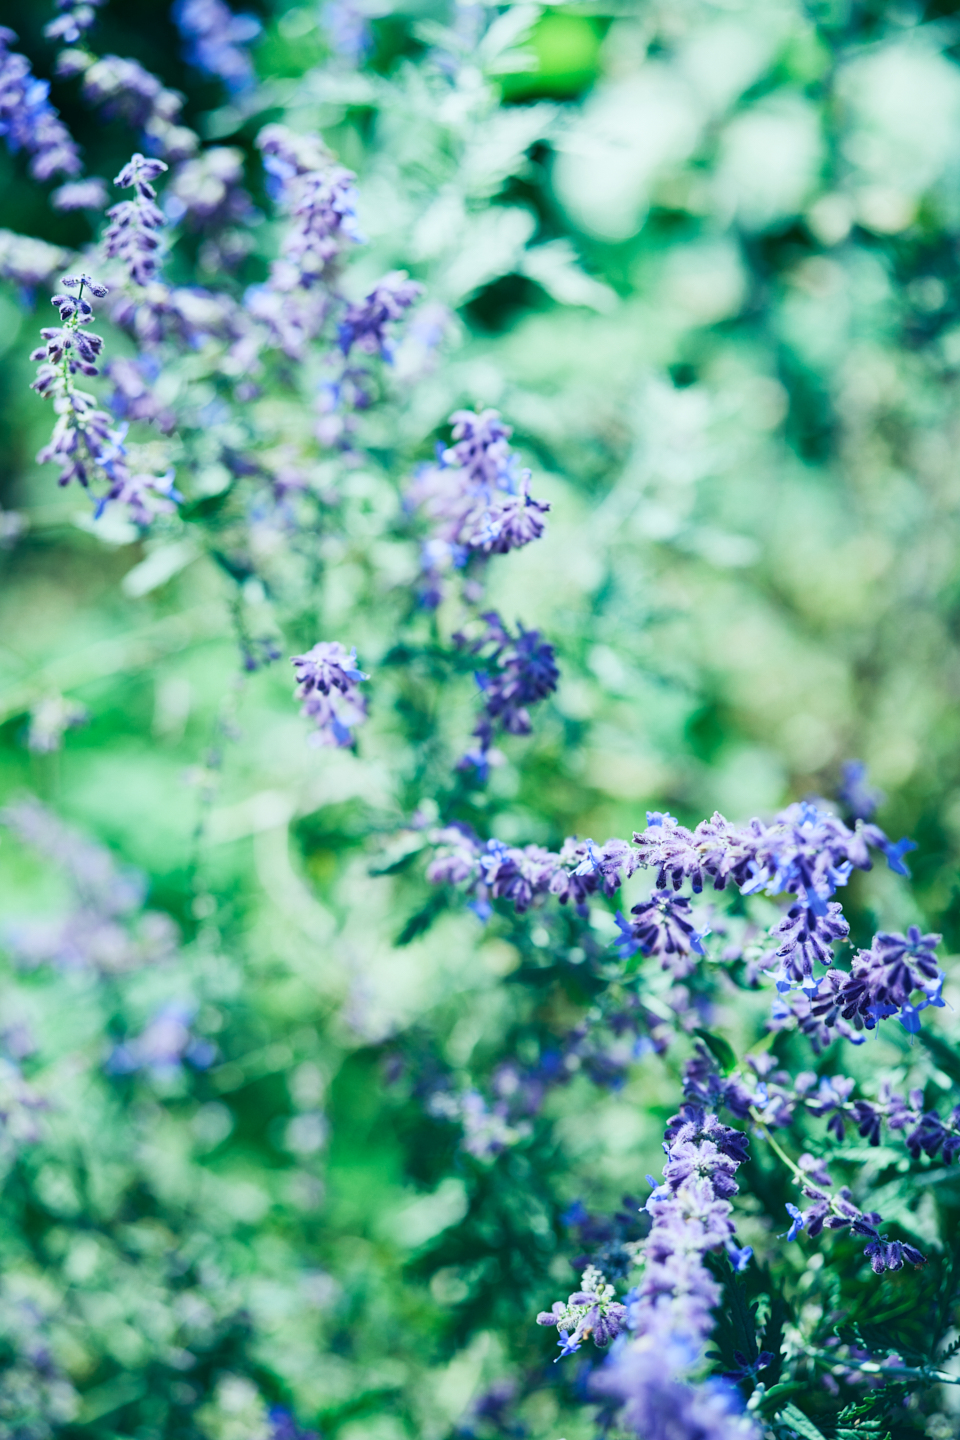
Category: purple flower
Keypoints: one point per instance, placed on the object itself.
(347, 29)
(214, 36)
(365, 324)
(475, 496)
(75, 19)
(858, 797)
(327, 680)
(28, 120)
(208, 192)
(321, 200)
(133, 234)
(89, 194)
(284, 1427)
(663, 927)
(84, 443)
(797, 1222)
(128, 92)
(518, 671)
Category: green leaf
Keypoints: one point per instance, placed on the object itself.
(721, 1050)
(799, 1423)
(419, 923)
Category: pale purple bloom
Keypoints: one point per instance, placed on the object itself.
(859, 798)
(284, 1427)
(163, 1046)
(327, 682)
(106, 929)
(208, 191)
(132, 236)
(89, 194)
(214, 38)
(519, 671)
(128, 92)
(476, 497)
(365, 324)
(28, 120)
(347, 28)
(320, 198)
(50, 719)
(75, 19)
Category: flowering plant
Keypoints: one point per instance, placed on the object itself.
(456, 454)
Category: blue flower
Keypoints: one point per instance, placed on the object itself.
(797, 1222)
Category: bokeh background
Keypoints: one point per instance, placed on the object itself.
(703, 257)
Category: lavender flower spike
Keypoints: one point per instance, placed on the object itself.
(327, 680)
(132, 236)
(84, 443)
(28, 120)
(214, 36)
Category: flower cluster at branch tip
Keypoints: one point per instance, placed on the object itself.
(84, 443)
(321, 199)
(133, 234)
(364, 324)
(75, 19)
(124, 90)
(475, 497)
(214, 37)
(665, 1321)
(804, 851)
(106, 930)
(28, 121)
(327, 683)
(518, 671)
(590, 1313)
(836, 1211)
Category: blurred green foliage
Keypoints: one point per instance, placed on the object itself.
(703, 257)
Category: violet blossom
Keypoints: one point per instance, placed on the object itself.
(132, 236)
(126, 91)
(27, 119)
(75, 19)
(365, 323)
(518, 671)
(476, 498)
(87, 194)
(84, 442)
(327, 683)
(214, 37)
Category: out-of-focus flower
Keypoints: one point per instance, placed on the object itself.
(327, 683)
(27, 119)
(215, 37)
(50, 719)
(132, 236)
(88, 194)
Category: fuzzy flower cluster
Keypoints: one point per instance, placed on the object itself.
(132, 236)
(28, 121)
(803, 852)
(106, 929)
(835, 1210)
(518, 671)
(321, 200)
(123, 90)
(365, 324)
(164, 1045)
(667, 1318)
(84, 442)
(487, 1129)
(476, 499)
(590, 1313)
(214, 37)
(327, 683)
(773, 1096)
(76, 17)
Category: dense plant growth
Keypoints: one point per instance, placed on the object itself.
(464, 433)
